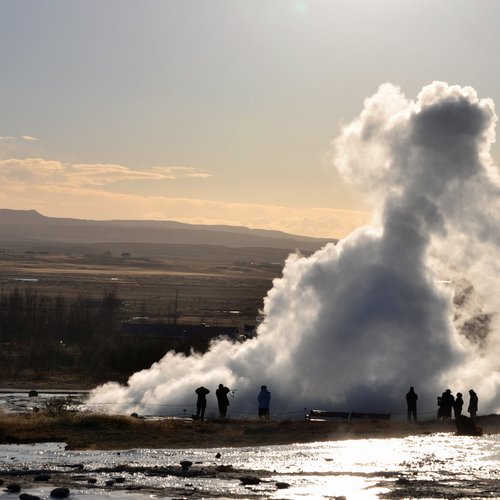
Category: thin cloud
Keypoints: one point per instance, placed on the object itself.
(102, 174)
(181, 172)
(30, 138)
(30, 170)
(7, 138)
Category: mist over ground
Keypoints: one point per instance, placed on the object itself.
(409, 301)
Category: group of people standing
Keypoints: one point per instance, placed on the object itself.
(201, 402)
(446, 403)
(264, 399)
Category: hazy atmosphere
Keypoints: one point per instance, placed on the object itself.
(411, 300)
(205, 200)
(214, 112)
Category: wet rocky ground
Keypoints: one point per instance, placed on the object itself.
(125, 478)
(120, 480)
(430, 467)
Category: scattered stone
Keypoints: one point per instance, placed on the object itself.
(218, 455)
(119, 480)
(110, 482)
(27, 496)
(41, 477)
(33, 393)
(249, 480)
(224, 468)
(402, 480)
(60, 492)
(282, 486)
(13, 488)
(185, 464)
(91, 480)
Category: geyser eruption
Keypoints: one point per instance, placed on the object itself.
(410, 300)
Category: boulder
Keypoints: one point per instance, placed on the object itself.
(13, 488)
(185, 464)
(249, 480)
(281, 485)
(59, 492)
(466, 426)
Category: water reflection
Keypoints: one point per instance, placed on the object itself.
(439, 464)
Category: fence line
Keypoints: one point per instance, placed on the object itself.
(188, 409)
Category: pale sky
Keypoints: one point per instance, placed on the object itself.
(214, 111)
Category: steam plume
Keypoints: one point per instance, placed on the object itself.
(410, 300)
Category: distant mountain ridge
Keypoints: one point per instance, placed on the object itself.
(29, 226)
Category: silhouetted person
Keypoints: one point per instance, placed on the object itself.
(222, 400)
(201, 402)
(447, 401)
(411, 403)
(472, 409)
(264, 398)
(440, 410)
(457, 407)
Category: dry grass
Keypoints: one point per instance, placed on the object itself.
(92, 431)
(205, 290)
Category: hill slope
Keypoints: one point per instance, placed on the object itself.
(29, 226)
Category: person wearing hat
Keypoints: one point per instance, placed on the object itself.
(264, 398)
(447, 403)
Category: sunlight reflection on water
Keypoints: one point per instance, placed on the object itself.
(356, 469)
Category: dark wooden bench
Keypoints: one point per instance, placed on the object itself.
(345, 416)
(328, 415)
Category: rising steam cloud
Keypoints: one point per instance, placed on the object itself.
(410, 300)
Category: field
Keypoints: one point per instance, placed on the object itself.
(209, 289)
(183, 283)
